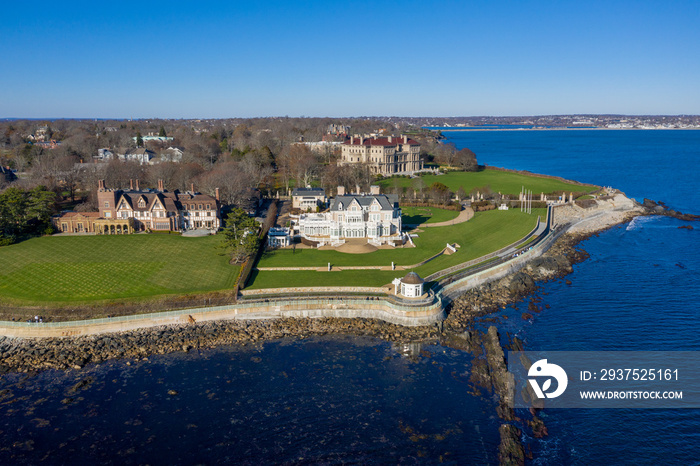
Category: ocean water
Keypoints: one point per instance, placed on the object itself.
(360, 400)
(638, 290)
(656, 164)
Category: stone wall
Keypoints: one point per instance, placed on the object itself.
(372, 308)
(316, 289)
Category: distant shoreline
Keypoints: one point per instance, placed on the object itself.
(453, 130)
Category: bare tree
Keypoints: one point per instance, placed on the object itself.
(118, 174)
(234, 184)
(257, 166)
(166, 171)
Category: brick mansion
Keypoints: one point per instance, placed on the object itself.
(383, 155)
(123, 211)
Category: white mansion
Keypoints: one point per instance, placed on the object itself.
(374, 216)
(383, 155)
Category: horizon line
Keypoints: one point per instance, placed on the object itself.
(665, 115)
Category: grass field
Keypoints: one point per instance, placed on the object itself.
(418, 215)
(486, 232)
(498, 181)
(83, 269)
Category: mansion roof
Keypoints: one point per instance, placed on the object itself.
(171, 201)
(383, 141)
(386, 201)
(72, 213)
(308, 192)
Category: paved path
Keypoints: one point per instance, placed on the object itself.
(463, 216)
(197, 232)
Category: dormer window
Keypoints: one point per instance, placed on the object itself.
(142, 203)
(340, 206)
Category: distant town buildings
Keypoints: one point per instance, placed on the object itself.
(338, 129)
(385, 156)
(123, 211)
(140, 155)
(153, 137)
(171, 154)
(50, 144)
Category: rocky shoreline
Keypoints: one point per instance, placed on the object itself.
(27, 355)
(488, 372)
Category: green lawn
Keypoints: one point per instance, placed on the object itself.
(486, 232)
(499, 181)
(418, 215)
(83, 269)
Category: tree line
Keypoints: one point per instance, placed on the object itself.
(25, 212)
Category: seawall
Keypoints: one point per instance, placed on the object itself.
(372, 308)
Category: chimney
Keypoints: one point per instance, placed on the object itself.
(217, 194)
(357, 189)
(341, 190)
(160, 186)
(137, 185)
(405, 139)
(101, 185)
(131, 185)
(352, 139)
(389, 138)
(192, 188)
(374, 190)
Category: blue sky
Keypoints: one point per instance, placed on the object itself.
(413, 58)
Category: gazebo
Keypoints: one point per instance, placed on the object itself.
(411, 286)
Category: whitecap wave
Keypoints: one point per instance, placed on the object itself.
(639, 222)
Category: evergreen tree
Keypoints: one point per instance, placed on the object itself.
(241, 237)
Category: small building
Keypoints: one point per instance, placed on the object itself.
(308, 198)
(140, 155)
(171, 154)
(278, 237)
(410, 286)
(152, 137)
(104, 155)
(503, 206)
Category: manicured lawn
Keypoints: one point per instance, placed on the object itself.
(81, 269)
(486, 232)
(418, 215)
(498, 181)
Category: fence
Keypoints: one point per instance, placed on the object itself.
(495, 269)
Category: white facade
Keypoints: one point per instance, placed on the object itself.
(375, 217)
(410, 286)
(278, 237)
